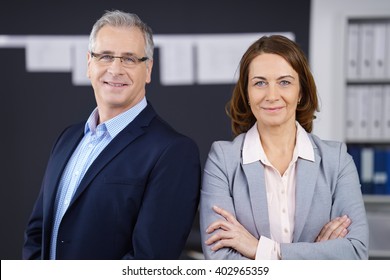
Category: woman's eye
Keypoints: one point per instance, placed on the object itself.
(260, 83)
(285, 83)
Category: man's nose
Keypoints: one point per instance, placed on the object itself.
(116, 67)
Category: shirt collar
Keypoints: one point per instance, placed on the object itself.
(116, 124)
(253, 150)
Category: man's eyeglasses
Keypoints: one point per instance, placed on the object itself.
(127, 60)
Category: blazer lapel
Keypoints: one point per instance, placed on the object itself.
(254, 173)
(123, 139)
(68, 143)
(307, 173)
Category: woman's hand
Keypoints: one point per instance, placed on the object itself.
(230, 233)
(336, 228)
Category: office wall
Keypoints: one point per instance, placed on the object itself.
(37, 105)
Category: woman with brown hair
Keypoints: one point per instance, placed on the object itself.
(277, 191)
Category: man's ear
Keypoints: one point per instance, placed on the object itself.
(89, 57)
(149, 66)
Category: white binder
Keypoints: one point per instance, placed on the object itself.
(363, 109)
(352, 51)
(386, 113)
(352, 99)
(366, 53)
(375, 114)
(379, 54)
(387, 64)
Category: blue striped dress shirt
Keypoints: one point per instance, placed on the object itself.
(96, 138)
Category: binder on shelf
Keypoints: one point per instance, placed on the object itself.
(367, 169)
(352, 51)
(379, 54)
(366, 53)
(351, 121)
(363, 112)
(386, 113)
(375, 115)
(387, 167)
(380, 176)
(355, 152)
(387, 64)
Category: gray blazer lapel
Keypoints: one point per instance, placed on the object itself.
(307, 173)
(254, 173)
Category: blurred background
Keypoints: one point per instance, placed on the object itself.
(43, 46)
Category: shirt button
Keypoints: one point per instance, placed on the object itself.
(284, 210)
(285, 230)
(282, 191)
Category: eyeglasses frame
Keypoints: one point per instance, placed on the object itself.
(99, 55)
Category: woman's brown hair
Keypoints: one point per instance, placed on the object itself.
(238, 108)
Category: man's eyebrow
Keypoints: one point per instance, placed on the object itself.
(106, 52)
(112, 53)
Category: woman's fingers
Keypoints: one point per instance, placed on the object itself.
(229, 233)
(336, 228)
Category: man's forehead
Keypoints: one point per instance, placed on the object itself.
(124, 40)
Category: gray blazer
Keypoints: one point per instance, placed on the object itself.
(325, 189)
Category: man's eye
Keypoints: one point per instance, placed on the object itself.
(129, 59)
(106, 57)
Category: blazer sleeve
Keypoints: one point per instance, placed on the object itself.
(33, 235)
(169, 204)
(346, 199)
(32, 248)
(215, 191)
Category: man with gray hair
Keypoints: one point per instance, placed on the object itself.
(123, 184)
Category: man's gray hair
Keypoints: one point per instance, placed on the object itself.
(121, 19)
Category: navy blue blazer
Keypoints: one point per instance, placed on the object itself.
(137, 200)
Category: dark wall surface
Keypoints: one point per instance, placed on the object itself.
(37, 106)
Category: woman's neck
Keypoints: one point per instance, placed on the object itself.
(278, 144)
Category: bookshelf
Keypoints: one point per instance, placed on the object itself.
(372, 199)
(333, 22)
